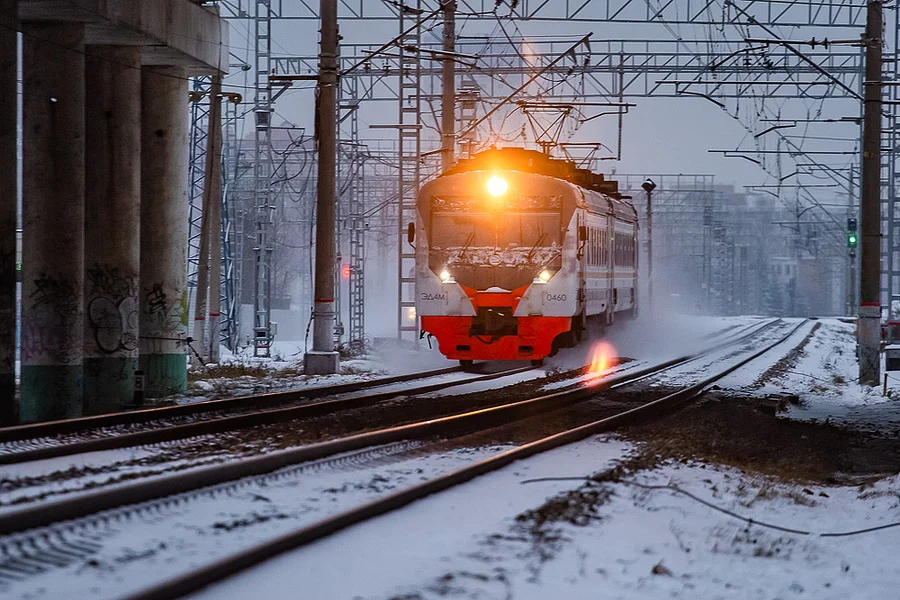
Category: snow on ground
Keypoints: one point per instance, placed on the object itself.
(500, 537)
(696, 370)
(825, 377)
(635, 543)
(241, 373)
(166, 541)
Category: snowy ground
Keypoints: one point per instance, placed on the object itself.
(501, 536)
(511, 539)
(633, 543)
(241, 373)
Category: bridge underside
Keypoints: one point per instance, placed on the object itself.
(104, 198)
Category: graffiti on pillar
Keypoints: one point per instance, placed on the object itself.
(156, 300)
(59, 295)
(48, 341)
(51, 338)
(114, 325)
(112, 308)
(51, 322)
(168, 317)
(109, 281)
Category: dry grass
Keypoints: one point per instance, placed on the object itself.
(232, 371)
(735, 432)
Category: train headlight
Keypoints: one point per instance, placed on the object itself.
(497, 186)
(545, 275)
(445, 276)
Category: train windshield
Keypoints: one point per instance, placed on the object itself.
(506, 231)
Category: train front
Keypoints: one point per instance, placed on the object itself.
(495, 263)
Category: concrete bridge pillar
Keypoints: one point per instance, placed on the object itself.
(111, 225)
(52, 221)
(164, 222)
(9, 411)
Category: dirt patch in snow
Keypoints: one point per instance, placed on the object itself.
(740, 432)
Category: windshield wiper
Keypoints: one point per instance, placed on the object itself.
(466, 247)
(536, 244)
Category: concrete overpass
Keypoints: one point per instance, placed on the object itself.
(104, 197)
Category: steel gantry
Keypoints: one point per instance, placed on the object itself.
(409, 131)
(788, 13)
(750, 81)
(352, 155)
(262, 176)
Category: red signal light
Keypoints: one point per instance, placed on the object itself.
(345, 271)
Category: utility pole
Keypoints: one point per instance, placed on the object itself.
(649, 185)
(323, 360)
(869, 320)
(448, 87)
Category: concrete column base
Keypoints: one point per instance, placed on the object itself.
(321, 363)
(164, 374)
(108, 383)
(50, 392)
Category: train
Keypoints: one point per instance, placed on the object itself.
(517, 253)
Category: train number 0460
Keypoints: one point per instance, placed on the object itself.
(556, 297)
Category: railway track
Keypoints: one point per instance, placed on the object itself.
(55, 478)
(105, 432)
(155, 426)
(51, 540)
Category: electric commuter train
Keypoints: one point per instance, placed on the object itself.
(515, 251)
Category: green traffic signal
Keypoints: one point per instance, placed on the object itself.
(851, 240)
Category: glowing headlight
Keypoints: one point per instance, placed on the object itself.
(497, 186)
(445, 275)
(545, 275)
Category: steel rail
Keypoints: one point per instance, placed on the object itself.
(265, 416)
(222, 424)
(68, 426)
(43, 514)
(200, 578)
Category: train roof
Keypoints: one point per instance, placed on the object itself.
(532, 161)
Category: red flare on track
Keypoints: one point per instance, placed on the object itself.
(603, 356)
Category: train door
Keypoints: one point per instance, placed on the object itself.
(579, 321)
